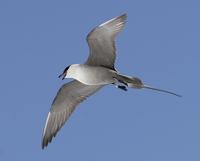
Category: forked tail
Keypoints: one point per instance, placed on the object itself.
(135, 82)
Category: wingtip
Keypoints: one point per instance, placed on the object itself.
(44, 143)
(44, 138)
(43, 146)
(123, 16)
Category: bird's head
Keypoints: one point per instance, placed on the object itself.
(64, 73)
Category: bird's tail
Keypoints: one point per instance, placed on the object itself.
(134, 82)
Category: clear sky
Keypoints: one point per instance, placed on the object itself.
(160, 44)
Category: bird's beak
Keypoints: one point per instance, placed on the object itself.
(62, 76)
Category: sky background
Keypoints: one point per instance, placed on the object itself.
(160, 44)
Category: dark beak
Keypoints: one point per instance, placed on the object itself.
(62, 76)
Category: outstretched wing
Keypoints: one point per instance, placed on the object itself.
(101, 41)
(67, 98)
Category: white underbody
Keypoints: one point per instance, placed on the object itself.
(91, 75)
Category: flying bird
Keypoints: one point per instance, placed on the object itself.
(99, 70)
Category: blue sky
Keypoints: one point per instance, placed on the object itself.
(160, 44)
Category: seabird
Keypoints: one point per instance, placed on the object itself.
(95, 73)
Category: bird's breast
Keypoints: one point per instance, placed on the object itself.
(94, 75)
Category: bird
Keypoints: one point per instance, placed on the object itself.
(88, 78)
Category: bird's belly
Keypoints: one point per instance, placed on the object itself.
(95, 76)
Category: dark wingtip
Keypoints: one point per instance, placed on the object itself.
(43, 146)
(45, 142)
(123, 16)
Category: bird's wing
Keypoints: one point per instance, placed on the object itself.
(68, 96)
(101, 41)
